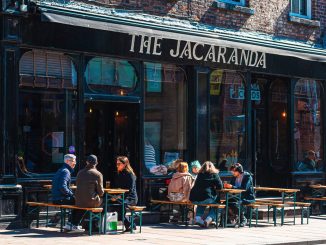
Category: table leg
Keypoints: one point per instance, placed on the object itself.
(226, 209)
(105, 211)
(123, 210)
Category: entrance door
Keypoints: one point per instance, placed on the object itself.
(111, 130)
(270, 132)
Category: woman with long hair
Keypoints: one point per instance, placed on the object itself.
(204, 191)
(126, 179)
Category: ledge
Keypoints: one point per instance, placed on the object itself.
(234, 7)
(303, 21)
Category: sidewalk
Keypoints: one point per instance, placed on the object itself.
(314, 233)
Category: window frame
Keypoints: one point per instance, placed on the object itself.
(308, 12)
(240, 3)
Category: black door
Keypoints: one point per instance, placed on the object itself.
(111, 130)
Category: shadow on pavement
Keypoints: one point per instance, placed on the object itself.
(40, 233)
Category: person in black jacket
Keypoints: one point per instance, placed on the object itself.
(204, 191)
(241, 180)
(126, 179)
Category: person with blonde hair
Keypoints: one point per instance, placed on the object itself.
(181, 183)
(126, 179)
(204, 191)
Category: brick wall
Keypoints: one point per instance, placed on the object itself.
(271, 16)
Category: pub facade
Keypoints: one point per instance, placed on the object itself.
(109, 81)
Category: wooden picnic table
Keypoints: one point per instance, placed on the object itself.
(114, 197)
(318, 190)
(116, 194)
(286, 194)
(235, 195)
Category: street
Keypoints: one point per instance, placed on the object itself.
(313, 233)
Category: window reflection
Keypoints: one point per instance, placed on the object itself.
(110, 76)
(308, 130)
(165, 115)
(227, 115)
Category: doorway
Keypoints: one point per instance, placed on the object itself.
(270, 131)
(112, 129)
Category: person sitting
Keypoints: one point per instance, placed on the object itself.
(180, 184)
(195, 167)
(204, 191)
(61, 192)
(89, 183)
(308, 164)
(241, 180)
(126, 179)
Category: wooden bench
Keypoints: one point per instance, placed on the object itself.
(277, 208)
(93, 213)
(319, 200)
(136, 211)
(217, 206)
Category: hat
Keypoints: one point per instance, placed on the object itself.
(195, 164)
(92, 159)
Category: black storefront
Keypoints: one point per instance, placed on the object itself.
(96, 85)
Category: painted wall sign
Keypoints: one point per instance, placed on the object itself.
(181, 49)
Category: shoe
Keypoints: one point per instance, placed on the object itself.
(199, 221)
(73, 228)
(243, 222)
(128, 229)
(208, 221)
(77, 229)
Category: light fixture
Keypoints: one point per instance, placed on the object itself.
(90, 110)
(121, 92)
(284, 113)
(117, 113)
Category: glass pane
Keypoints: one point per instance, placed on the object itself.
(110, 76)
(295, 6)
(227, 119)
(308, 129)
(202, 117)
(279, 126)
(47, 121)
(165, 115)
(303, 7)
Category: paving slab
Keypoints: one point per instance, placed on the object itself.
(313, 233)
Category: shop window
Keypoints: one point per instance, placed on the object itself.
(110, 76)
(301, 8)
(308, 130)
(42, 69)
(165, 116)
(227, 119)
(47, 112)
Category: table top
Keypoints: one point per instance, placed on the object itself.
(318, 186)
(276, 189)
(115, 191)
(233, 191)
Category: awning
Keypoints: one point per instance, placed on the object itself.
(107, 23)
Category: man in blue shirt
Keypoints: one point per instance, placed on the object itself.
(61, 192)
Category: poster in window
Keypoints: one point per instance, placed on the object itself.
(153, 78)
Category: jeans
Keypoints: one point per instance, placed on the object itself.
(201, 209)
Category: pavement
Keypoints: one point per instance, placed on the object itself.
(313, 233)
